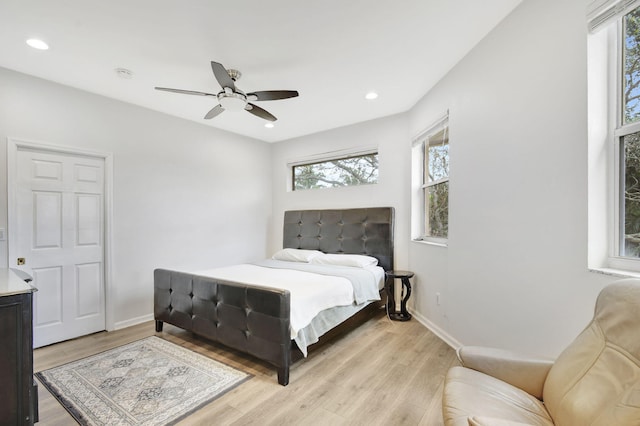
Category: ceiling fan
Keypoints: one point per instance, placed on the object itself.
(233, 99)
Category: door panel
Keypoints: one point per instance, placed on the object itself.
(89, 289)
(60, 226)
(50, 290)
(47, 224)
(89, 219)
(47, 170)
(87, 173)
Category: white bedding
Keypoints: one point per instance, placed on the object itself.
(311, 293)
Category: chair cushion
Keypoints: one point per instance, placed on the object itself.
(470, 393)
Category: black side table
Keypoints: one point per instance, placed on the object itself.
(401, 315)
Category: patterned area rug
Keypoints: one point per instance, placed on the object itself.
(148, 382)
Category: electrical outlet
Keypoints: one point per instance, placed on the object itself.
(438, 299)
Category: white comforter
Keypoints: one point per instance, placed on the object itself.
(310, 293)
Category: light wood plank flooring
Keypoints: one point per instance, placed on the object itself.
(380, 373)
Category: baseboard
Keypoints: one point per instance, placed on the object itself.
(443, 335)
(133, 321)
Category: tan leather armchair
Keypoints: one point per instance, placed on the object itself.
(595, 381)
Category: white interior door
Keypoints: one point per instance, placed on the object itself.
(59, 232)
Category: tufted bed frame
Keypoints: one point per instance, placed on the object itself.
(255, 320)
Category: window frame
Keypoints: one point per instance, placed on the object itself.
(617, 131)
(616, 259)
(329, 157)
(421, 184)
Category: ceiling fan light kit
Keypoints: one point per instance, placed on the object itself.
(233, 99)
(232, 102)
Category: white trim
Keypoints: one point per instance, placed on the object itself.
(619, 263)
(332, 155)
(325, 157)
(434, 127)
(617, 68)
(13, 145)
(417, 192)
(419, 187)
(133, 321)
(618, 130)
(615, 227)
(108, 246)
(600, 13)
(439, 332)
(435, 182)
(626, 129)
(432, 241)
(614, 88)
(605, 186)
(619, 273)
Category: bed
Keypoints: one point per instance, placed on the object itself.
(256, 320)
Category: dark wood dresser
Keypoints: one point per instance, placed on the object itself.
(18, 390)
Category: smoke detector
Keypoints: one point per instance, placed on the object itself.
(124, 73)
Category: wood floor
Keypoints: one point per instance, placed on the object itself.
(380, 373)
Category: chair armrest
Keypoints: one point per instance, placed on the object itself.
(526, 373)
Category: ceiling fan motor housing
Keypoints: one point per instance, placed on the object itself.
(234, 74)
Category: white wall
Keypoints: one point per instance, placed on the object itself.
(389, 135)
(184, 195)
(514, 274)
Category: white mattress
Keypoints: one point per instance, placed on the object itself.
(311, 293)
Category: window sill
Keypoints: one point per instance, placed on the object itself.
(615, 272)
(432, 243)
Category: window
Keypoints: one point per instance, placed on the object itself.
(614, 107)
(350, 170)
(628, 136)
(431, 161)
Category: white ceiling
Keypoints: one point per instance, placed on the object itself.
(332, 51)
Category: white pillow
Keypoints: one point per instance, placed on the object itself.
(296, 255)
(356, 260)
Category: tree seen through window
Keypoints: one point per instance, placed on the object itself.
(630, 143)
(350, 171)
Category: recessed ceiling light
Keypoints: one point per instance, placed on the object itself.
(37, 44)
(269, 125)
(371, 96)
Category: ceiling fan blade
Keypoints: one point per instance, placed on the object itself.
(184, 92)
(272, 95)
(216, 110)
(221, 74)
(259, 112)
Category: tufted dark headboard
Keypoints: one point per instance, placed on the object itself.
(366, 231)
